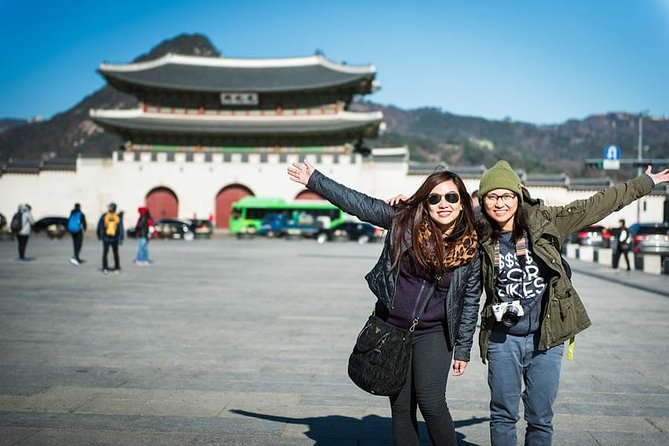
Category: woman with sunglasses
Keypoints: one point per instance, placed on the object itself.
(531, 307)
(431, 243)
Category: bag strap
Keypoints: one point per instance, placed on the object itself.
(422, 308)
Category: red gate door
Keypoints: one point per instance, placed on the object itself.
(308, 195)
(224, 200)
(162, 203)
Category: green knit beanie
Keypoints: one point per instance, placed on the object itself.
(500, 176)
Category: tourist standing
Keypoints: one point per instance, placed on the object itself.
(22, 225)
(143, 233)
(110, 231)
(431, 245)
(76, 226)
(531, 306)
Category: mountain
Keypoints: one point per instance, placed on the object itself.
(431, 134)
(434, 135)
(71, 133)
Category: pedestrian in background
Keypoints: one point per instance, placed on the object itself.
(110, 231)
(76, 226)
(431, 244)
(22, 225)
(622, 245)
(531, 306)
(143, 233)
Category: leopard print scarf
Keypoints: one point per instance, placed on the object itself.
(457, 253)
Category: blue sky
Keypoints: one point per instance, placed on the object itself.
(539, 61)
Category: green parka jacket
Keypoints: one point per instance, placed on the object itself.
(563, 314)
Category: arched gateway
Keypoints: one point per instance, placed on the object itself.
(308, 195)
(162, 203)
(224, 200)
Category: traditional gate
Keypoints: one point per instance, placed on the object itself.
(162, 203)
(224, 200)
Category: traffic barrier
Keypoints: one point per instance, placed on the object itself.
(652, 264)
(586, 253)
(605, 256)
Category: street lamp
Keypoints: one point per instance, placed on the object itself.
(639, 158)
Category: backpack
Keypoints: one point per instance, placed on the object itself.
(74, 223)
(17, 222)
(111, 224)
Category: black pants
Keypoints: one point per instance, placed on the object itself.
(105, 251)
(77, 241)
(23, 242)
(616, 257)
(425, 388)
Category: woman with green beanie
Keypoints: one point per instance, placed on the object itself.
(531, 307)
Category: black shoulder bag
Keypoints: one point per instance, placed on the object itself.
(381, 356)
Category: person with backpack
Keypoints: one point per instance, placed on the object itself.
(110, 232)
(21, 225)
(76, 225)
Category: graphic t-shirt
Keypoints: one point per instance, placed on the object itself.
(520, 280)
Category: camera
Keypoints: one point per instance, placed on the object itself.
(508, 313)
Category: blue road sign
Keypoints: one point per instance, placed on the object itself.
(612, 153)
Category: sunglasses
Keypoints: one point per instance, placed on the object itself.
(451, 197)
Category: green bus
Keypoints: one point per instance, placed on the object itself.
(248, 213)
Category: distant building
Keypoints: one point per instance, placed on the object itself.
(216, 110)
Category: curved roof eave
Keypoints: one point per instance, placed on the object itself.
(120, 81)
(190, 73)
(224, 62)
(137, 120)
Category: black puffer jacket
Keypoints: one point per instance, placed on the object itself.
(462, 301)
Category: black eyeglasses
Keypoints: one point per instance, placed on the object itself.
(451, 197)
(507, 199)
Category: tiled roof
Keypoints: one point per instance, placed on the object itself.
(213, 74)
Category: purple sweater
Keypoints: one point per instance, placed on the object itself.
(413, 283)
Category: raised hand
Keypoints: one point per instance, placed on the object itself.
(660, 177)
(300, 172)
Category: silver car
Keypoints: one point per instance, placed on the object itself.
(650, 238)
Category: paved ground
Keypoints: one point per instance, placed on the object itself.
(228, 342)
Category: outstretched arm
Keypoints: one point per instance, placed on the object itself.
(366, 208)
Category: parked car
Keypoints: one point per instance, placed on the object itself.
(593, 235)
(360, 232)
(650, 238)
(54, 227)
(132, 233)
(201, 228)
(173, 228)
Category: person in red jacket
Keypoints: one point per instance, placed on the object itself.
(143, 230)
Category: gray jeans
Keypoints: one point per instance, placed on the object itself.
(516, 369)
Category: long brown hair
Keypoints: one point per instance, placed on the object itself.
(413, 212)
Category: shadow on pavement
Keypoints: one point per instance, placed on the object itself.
(371, 427)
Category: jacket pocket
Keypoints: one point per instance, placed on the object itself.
(561, 318)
